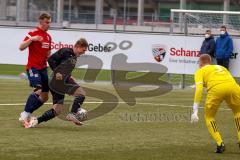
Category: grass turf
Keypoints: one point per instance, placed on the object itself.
(103, 75)
(128, 132)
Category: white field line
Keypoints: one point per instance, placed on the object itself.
(139, 103)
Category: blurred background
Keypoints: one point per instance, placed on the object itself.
(121, 15)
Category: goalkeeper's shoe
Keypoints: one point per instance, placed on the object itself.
(33, 122)
(221, 148)
(72, 117)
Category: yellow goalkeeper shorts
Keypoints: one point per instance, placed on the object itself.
(230, 92)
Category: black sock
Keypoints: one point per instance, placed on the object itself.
(78, 101)
(46, 116)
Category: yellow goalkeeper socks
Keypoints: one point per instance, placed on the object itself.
(213, 130)
(237, 122)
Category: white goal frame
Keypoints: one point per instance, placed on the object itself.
(183, 12)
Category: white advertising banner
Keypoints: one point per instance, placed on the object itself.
(179, 54)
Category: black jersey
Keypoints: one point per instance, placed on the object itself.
(63, 61)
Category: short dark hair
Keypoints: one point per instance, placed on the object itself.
(44, 15)
(224, 27)
(208, 30)
(82, 42)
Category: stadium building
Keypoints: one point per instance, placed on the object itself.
(127, 12)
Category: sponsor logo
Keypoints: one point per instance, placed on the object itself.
(98, 48)
(159, 52)
(234, 55)
(45, 45)
(108, 47)
(60, 45)
(184, 52)
(91, 47)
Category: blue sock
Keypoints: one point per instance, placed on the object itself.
(33, 103)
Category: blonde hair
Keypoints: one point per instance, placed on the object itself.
(205, 59)
(44, 15)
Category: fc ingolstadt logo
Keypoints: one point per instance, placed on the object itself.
(159, 52)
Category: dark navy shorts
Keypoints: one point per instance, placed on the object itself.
(38, 79)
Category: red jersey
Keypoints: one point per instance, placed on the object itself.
(38, 51)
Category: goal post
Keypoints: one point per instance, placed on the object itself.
(197, 21)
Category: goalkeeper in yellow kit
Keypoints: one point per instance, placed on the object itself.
(221, 86)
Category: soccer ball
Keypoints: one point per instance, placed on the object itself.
(81, 115)
(23, 75)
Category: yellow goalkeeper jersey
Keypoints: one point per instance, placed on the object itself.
(210, 76)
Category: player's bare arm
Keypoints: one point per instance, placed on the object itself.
(26, 43)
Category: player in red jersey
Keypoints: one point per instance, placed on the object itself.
(38, 42)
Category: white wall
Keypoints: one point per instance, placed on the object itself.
(139, 52)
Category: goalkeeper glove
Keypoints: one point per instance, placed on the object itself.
(194, 117)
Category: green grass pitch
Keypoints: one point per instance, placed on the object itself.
(128, 132)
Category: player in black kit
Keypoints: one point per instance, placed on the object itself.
(62, 63)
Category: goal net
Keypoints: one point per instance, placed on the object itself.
(198, 21)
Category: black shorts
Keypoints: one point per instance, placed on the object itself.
(38, 78)
(60, 88)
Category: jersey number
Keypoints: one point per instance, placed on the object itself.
(219, 69)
